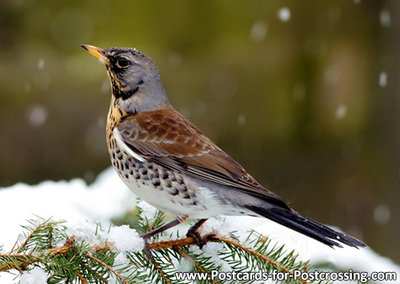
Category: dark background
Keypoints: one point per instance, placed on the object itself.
(309, 104)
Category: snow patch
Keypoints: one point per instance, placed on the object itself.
(35, 276)
(121, 238)
(125, 239)
(148, 212)
(82, 206)
(88, 232)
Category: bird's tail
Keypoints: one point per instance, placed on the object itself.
(306, 226)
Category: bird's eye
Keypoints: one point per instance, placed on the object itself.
(123, 62)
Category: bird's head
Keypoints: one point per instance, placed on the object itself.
(135, 80)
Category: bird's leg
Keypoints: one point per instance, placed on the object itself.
(194, 233)
(161, 229)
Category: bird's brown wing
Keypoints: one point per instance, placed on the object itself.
(169, 139)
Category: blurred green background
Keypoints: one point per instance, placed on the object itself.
(304, 94)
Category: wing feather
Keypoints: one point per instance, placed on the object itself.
(169, 139)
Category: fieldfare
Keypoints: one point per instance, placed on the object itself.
(171, 164)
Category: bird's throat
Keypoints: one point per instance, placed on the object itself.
(125, 93)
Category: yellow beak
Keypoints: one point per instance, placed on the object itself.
(97, 52)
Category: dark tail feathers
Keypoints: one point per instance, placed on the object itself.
(307, 227)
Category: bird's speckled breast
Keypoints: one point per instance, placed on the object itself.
(164, 189)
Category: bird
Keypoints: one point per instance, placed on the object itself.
(171, 164)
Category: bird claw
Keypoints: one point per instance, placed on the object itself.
(196, 236)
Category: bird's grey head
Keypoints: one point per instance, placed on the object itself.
(135, 80)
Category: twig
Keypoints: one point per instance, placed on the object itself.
(213, 237)
(42, 225)
(160, 271)
(256, 253)
(95, 273)
(28, 238)
(83, 280)
(63, 249)
(20, 261)
(108, 267)
(179, 250)
(169, 244)
(16, 242)
(23, 261)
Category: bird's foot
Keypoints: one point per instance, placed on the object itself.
(161, 229)
(194, 233)
(200, 241)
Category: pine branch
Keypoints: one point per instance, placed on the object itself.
(257, 254)
(108, 267)
(76, 261)
(180, 251)
(162, 274)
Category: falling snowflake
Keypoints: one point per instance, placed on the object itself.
(385, 18)
(383, 79)
(37, 115)
(40, 64)
(241, 119)
(341, 112)
(284, 14)
(258, 31)
(381, 214)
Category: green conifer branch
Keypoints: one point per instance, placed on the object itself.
(67, 259)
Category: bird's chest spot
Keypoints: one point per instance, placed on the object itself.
(150, 181)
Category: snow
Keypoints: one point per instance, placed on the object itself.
(284, 14)
(383, 79)
(34, 276)
(148, 211)
(381, 214)
(211, 250)
(88, 232)
(341, 111)
(84, 207)
(37, 115)
(258, 31)
(345, 259)
(72, 201)
(40, 64)
(363, 259)
(125, 239)
(120, 239)
(385, 18)
(241, 119)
